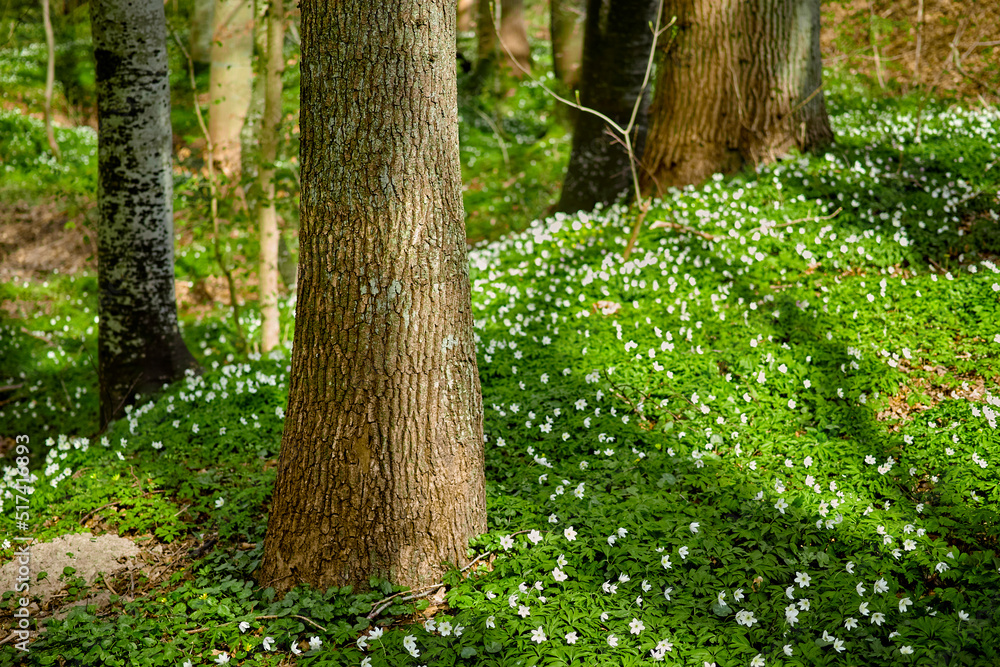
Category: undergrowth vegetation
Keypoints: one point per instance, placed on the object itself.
(772, 445)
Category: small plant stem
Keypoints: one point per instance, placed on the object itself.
(920, 34)
(213, 194)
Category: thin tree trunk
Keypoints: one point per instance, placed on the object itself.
(381, 465)
(268, 215)
(615, 52)
(230, 80)
(50, 77)
(466, 10)
(749, 97)
(514, 35)
(139, 343)
(202, 13)
(567, 19)
(486, 38)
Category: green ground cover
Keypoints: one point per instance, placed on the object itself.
(774, 447)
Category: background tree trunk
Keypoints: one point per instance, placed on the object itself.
(741, 83)
(514, 34)
(202, 14)
(267, 214)
(466, 13)
(486, 39)
(139, 343)
(230, 80)
(567, 20)
(381, 465)
(50, 77)
(615, 52)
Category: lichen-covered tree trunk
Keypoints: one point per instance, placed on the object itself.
(230, 80)
(266, 211)
(616, 45)
(381, 465)
(139, 343)
(566, 20)
(742, 82)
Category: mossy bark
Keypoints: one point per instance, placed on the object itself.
(381, 465)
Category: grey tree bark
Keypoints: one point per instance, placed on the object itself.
(616, 46)
(741, 83)
(139, 343)
(267, 213)
(381, 464)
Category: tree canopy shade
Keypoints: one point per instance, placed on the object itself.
(617, 39)
(741, 82)
(381, 465)
(139, 344)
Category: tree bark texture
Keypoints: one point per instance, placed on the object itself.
(267, 213)
(566, 21)
(230, 80)
(50, 77)
(139, 343)
(616, 45)
(202, 13)
(381, 465)
(742, 82)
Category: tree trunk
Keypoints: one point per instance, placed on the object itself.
(741, 83)
(230, 80)
(50, 77)
(466, 10)
(139, 343)
(202, 13)
(567, 20)
(514, 35)
(616, 48)
(381, 465)
(268, 215)
(486, 39)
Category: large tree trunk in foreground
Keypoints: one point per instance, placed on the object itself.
(267, 213)
(616, 48)
(741, 83)
(230, 80)
(139, 343)
(381, 465)
(567, 20)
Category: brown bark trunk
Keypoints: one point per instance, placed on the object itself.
(381, 465)
(615, 54)
(267, 214)
(486, 37)
(514, 35)
(567, 25)
(742, 82)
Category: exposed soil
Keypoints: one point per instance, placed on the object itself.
(36, 240)
(973, 26)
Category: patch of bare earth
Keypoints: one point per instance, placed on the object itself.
(36, 240)
(921, 394)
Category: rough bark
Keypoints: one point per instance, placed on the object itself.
(230, 80)
(514, 35)
(567, 18)
(741, 83)
(381, 464)
(200, 48)
(267, 214)
(616, 48)
(139, 343)
(50, 77)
